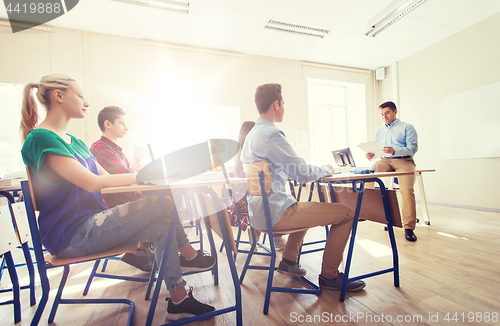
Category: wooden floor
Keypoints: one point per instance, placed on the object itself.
(452, 268)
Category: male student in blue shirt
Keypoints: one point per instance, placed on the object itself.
(400, 143)
(267, 143)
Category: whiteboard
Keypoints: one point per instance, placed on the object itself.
(470, 123)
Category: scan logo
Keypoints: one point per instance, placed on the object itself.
(35, 12)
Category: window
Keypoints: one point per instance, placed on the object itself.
(10, 137)
(171, 130)
(11, 99)
(337, 119)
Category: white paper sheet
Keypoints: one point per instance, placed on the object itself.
(373, 147)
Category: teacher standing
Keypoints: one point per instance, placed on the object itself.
(400, 143)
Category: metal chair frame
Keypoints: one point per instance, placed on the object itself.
(43, 266)
(7, 244)
(315, 289)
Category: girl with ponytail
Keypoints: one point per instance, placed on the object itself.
(67, 180)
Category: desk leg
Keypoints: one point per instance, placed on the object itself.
(159, 280)
(234, 273)
(213, 250)
(225, 228)
(358, 187)
(422, 197)
(351, 245)
(390, 229)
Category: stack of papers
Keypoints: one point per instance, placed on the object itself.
(373, 147)
(13, 179)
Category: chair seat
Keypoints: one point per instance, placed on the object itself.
(130, 247)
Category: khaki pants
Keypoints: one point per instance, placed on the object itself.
(308, 215)
(409, 211)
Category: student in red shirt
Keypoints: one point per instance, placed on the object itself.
(110, 156)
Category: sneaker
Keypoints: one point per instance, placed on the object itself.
(336, 284)
(148, 252)
(279, 243)
(189, 307)
(138, 260)
(294, 270)
(202, 262)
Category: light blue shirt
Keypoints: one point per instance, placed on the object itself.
(401, 136)
(267, 143)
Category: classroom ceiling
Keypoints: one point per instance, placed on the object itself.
(238, 26)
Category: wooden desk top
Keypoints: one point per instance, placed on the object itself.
(354, 176)
(188, 183)
(10, 188)
(427, 170)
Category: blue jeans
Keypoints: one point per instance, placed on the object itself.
(143, 220)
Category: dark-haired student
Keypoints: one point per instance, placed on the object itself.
(67, 180)
(267, 143)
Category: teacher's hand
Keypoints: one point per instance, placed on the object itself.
(389, 150)
(369, 155)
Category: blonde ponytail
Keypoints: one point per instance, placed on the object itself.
(29, 109)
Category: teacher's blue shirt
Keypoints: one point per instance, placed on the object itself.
(401, 136)
(267, 143)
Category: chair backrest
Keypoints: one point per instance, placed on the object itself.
(252, 172)
(8, 240)
(21, 221)
(32, 220)
(32, 195)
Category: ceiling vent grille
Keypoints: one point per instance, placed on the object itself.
(296, 29)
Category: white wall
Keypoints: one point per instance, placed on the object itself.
(113, 71)
(464, 61)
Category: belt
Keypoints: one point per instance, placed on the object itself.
(399, 157)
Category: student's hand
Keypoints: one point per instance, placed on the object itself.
(328, 166)
(144, 176)
(389, 150)
(369, 155)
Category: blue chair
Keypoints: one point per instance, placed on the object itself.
(23, 235)
(259, 184)
(47, 261)
(8, 241)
